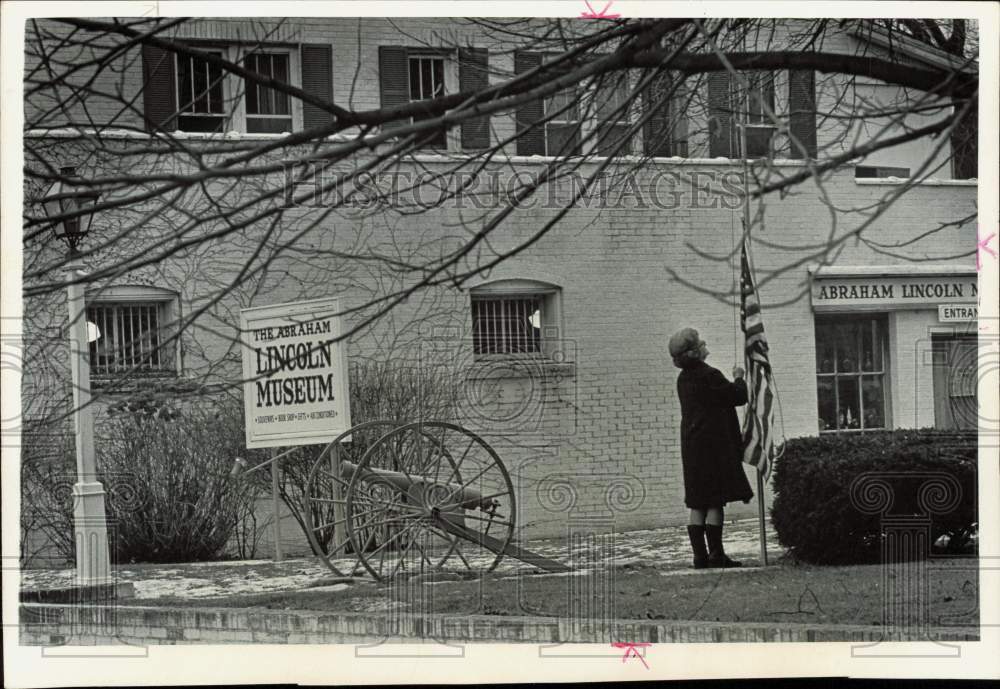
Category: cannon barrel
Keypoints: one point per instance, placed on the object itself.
(464, 496)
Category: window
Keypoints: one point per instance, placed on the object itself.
(130, 331)
(562, 128)
(413, 74)
(731, 104)
(200, 98)
(268, 111)
(426, 73)
(851, 367)
(756, 101)
(557, 124)
(515, 317)
(612, 110)
(192, 94)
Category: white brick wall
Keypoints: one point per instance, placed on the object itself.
(616, 420)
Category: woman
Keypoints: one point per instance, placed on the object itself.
(710, 445)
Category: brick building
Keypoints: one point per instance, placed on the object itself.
(560, 349)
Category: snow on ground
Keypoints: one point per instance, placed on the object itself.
(665, 549)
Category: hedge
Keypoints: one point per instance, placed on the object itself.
(818, 520)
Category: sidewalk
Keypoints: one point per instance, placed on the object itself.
(665, 549)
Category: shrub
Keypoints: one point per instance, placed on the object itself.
(165, 471)
(182, 505)
(817, 519)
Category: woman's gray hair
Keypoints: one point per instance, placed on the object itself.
(684, 347)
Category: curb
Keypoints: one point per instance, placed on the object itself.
(60, 624)
(102, 593)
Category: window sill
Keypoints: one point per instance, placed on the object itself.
(514, 367)
(160, 382)
(545, 160)
(931, 182)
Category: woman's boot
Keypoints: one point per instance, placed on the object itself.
(696, 533)
(716, 555)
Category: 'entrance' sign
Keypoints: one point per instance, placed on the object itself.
(957, 313)
(295, 389)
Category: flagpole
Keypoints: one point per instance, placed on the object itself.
(746, 234)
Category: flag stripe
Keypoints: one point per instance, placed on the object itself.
(758, 423)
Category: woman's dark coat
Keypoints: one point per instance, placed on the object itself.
(711, 447)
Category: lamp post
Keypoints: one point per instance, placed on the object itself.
(71, 208)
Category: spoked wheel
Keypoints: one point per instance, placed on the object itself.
(326, 502)
(430, 496)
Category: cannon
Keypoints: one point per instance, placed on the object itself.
(422, 496)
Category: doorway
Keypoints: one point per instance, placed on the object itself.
(955, 381)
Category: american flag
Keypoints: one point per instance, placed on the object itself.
(758, 422)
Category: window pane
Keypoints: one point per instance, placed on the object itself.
(826, 353)
(184, 98)
(610, 138)
(848, 415)
(250, 88)
(200, 94)
(438, 81)
(827, 404)
(610, 96)
(872, 346)
(556, 103)
(215, 103)
(426, 79)
(873, 397)
(562, 139)
(414, 79)
(761, 93)
(199, 86)
(282, 106)
(848, 338)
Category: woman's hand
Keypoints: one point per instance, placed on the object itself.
(737, 372)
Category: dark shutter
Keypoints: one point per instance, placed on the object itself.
(965, 146)
(656, 130)
(473, 75)
(678, 110)
(159, 90)
(720, 116)
(802, 111)
(317, 80)
(665, 133)
(394, 80)
(529, 141)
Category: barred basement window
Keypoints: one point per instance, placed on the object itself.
(851, 370)
(507, 325)
(130, 340)
(515, 317)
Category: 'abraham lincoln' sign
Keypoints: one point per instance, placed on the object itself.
(295, 389)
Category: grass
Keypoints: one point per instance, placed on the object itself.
(784, 593)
